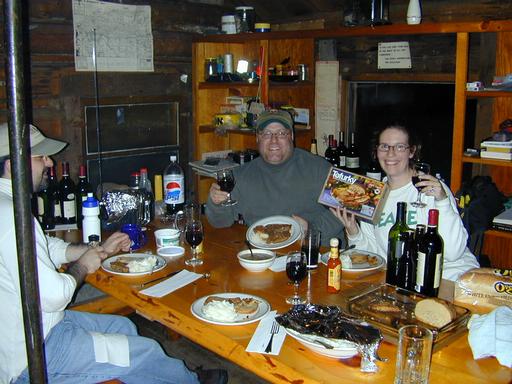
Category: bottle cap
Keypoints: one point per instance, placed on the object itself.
(334, 242)
(143, 170)
(433, 217)
(90, 202)
(173, 157)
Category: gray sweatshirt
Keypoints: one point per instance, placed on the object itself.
(289, 188)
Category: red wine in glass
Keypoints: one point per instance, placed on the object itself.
(226, 182)
(296, 270)
(194, 236)
(415, 180)
(419, 169)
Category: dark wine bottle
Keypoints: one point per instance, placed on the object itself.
(330, 152)
(82, 189)
(352, 158)
(45, 207)
(54, 195)
(374, 171)
(67, 190)
(395, 243)
(430, 258)
(342, 152)
(407, 263)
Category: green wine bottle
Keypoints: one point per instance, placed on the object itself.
(395, 243)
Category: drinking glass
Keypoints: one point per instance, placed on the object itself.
(414, 354)
(226, 182)
(194, 236)
(296, 270)
(419, 169)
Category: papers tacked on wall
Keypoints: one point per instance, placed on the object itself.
(394, 55)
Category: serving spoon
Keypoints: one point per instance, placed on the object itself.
(250, 247)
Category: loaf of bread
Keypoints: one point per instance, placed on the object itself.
(434, 312)
(484, 288)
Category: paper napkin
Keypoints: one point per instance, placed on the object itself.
(171, 284)
(279, 264)
(261, 336)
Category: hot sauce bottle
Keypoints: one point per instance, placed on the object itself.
(334, 268)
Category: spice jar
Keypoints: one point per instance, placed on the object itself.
(210, 67)
(244, 19)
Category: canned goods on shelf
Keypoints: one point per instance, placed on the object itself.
(262, 27)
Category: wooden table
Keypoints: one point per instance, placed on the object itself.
(295, 363)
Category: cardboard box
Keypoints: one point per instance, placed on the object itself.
(361, 195)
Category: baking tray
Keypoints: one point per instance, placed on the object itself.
(389, 322)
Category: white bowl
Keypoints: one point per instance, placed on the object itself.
(262, 259)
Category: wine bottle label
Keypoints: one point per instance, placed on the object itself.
(40, 206)
(420, 271)
(56, 212)
(352, 162)
(374, 175)
(69, 209)
(174, 191)
(334, 277)
(343, 161)
(437, 276)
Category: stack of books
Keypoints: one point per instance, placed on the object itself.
(501, 150)
(503, 221)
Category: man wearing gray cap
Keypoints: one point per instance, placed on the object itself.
(283, 181)
(74, 341)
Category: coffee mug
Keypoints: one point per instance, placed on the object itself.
(166, 237)
(136, 234)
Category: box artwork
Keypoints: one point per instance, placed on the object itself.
(360, 195)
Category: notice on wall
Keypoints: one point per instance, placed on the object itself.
(112, 37)
(327, 101)
(394, 55)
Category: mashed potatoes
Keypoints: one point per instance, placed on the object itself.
(142, 265)
(220, 311)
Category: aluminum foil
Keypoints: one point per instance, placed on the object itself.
(125, 206)
(332, 322)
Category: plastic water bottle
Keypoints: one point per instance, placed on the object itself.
(174, 187)
(91, 224)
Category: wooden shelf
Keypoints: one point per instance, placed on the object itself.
(226, 84)
(477, 94)
(393, 29)
(479, 160)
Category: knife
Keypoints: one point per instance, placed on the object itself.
(158, 279)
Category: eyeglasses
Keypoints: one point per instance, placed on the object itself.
(397, 147)
(45, 158)
(280, 135)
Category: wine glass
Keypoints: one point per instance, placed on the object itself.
(194, 236)
(419, 169)
(226, 182)
(296, 270)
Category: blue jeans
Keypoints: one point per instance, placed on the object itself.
(70, 357)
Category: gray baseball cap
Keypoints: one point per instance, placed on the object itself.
(40, 145)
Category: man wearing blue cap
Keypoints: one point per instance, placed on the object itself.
(283, 181)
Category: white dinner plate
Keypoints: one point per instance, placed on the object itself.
(341, 349)
(361, 267)
(264, 307)
(160, 263)
(258, 243)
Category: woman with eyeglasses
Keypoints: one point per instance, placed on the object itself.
(397, 149)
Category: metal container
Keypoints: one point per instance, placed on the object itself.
(303, 72)
(244, 19)
(210, 67)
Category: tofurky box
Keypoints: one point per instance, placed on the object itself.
(360, 195)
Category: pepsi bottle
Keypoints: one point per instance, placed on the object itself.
(174, 187)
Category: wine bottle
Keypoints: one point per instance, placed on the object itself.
(374, 171)
(395, 243)
(334, 268)
(313, 148)
(407, 264)
(145, 185)
(67, 190)
(83, 188)
(54, 195)
(330, 152)
(352, 158)
(45, 207)
(430, 258)
(342, 152)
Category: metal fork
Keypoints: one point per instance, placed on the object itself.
(273, 331)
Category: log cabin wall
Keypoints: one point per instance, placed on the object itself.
(57, 91)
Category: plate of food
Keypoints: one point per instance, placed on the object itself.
(274, 232)
(357, 260)
(230, 308)
(133, 264)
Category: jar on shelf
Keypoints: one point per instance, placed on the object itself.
(244, 19)
(210, 67)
